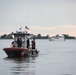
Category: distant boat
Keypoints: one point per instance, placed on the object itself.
(20, 51)
(59, 38)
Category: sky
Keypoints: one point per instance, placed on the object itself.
(45, 17)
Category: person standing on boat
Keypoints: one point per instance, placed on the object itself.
(13, 44)
(34, 47)
(28, 43)
(33, 44)
(19, 42)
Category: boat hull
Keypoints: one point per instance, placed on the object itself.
(14, 52)
(20, 52)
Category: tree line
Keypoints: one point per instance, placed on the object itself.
(38, 36)
(9, 36)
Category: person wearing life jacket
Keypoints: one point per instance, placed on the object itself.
(19, 42)
(34, 47)
(33, 44)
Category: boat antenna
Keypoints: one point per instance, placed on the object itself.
(27, 17)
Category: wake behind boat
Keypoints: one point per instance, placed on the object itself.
(20, 50)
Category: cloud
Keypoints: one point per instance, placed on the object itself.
(53, 30)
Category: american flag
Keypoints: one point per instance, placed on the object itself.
(26, 28)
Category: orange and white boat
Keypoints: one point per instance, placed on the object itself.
(19, 51)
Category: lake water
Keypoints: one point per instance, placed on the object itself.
(55, 58)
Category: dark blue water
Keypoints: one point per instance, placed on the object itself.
(55, 58)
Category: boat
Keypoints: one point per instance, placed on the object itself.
(57, 38)
(22, 51)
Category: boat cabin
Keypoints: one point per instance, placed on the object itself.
(23, 36)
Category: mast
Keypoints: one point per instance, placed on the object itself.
(27, 18)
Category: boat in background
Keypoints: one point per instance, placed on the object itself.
(20, 51)
(57, 38)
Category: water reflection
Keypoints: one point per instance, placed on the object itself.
(22, 66)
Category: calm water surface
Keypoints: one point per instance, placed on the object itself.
(55, 58)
